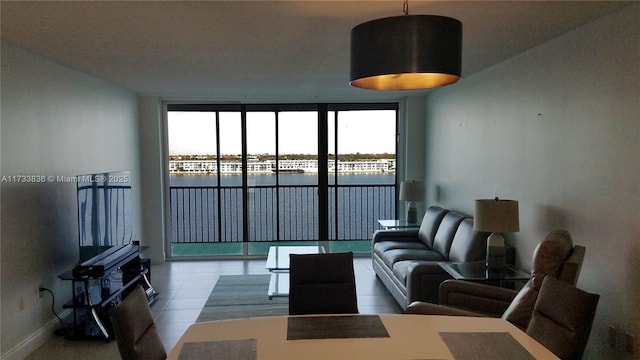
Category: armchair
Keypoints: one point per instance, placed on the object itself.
(555, 256)
(562, 318)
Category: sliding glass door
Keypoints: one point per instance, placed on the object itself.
(362, 163)
(243, 177)
(282, 177)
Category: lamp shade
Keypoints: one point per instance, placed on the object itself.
(496, 215)
(406, 52)
(411, 191)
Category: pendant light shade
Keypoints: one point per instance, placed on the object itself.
(406, 52)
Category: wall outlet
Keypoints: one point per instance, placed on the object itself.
(630, 342)
(39, 292)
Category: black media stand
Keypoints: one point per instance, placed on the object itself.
(101, 283)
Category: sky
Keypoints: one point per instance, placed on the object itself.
(193, 133)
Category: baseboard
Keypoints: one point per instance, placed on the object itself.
(37, 339)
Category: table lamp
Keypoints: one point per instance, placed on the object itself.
(496, 216)
(412, 191)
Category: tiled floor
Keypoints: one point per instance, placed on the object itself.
(184, 287)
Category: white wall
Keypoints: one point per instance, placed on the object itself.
(55, 122)
(557, 128)
(153, 157)
(411, 148)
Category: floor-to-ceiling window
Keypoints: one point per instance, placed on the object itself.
(283, 199)
(243, 177)
(362, 153)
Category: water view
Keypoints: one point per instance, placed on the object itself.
(203, 212)
(285, 179)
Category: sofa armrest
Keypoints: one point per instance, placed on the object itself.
(424, 308)
(395, 235)
(480, 298)
(423, 281)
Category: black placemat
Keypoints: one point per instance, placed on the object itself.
(244, 349)
(484, 345)
(335, 327)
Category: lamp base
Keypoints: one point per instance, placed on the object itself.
(412, 214)
(495, 252)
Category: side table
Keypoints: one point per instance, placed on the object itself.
(397, 224)
(478, 272)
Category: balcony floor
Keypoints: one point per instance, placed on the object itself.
(184, 286)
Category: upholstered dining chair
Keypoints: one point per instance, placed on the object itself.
(562, 318)
(555, 256)
(135, 330)
(322, 284)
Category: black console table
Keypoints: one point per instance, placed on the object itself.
(100, 283)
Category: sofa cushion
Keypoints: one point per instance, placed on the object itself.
(446, 232)
(430, 222)
(468, 244)
(390, 257)
(400, 270)
(382, 246)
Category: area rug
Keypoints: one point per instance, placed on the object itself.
(241, 296)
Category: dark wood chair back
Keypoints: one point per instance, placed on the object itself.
(322, 284)
(562, 318)
(135, 330)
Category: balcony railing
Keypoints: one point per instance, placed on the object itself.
(213, 214)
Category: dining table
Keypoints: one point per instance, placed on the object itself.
(358, 336)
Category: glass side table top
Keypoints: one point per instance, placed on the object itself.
(478, 271)
(397, 224)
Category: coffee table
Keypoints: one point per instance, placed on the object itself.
(278, 265)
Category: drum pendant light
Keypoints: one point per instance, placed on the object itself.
(406, 52)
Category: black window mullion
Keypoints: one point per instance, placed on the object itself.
(245, 201)
(218, 193)
(335, 174)
(277, 172)
(323, 173)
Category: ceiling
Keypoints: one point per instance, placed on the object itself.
(263, 50)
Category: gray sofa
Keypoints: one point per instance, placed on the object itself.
(406, 260)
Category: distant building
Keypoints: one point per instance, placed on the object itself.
(269, 166)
